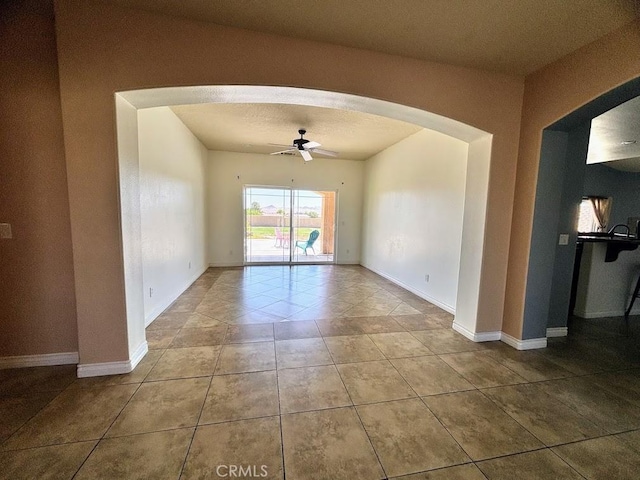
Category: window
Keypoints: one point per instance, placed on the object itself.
(594, 214)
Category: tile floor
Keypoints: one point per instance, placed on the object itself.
(329, 372)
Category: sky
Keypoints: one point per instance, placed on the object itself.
(280, 198)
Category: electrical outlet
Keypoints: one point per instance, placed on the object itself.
(426, 278)
(230, 252)
(5, 230)
(150, 292)
(347, 251)
(564, 239)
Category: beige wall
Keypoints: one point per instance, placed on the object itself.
(225, 197)
(413, 214)
(37, 302)
(550, 94)
(103, 49)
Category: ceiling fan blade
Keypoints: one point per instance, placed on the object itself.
(328, 153)
(309, 145)
(306, 155)
(284, 151)
(281, 145)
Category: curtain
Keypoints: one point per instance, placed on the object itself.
(601, 209)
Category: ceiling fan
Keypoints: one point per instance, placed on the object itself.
(304, 147)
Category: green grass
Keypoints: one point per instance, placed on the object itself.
(270, 232)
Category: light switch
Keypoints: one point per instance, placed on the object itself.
(564, 239)
(5, 230)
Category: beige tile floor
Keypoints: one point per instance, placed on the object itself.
(329, 372)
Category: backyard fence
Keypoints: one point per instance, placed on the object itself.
(279, 220)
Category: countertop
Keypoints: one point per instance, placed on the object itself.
(615, 244)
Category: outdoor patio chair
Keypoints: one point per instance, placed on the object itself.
(282, 238)
(313, 236)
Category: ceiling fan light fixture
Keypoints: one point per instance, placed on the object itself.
(304, 147)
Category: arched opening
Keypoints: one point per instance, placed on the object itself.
(559, 191)
(475, 202)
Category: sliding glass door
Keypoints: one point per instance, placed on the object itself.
(284, 225)
(313, 226)
(267, 225)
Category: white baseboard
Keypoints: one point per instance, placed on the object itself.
(530, 344)
(477, 337)
(113, 368)
(226, 264)
(444, 306)
(43, 360)
(508, 339)
(155, 313)
(557, 332)
(235, 264)
(139, 354)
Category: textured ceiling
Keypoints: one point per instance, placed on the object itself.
(516, 37)
(510, 36)
(252, 127)
(610, 130)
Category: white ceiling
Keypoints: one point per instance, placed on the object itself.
(251, 128)
(610, 130)
(510, 36)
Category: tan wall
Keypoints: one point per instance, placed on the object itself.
(103, 49)
(550, 94)
(37, 301)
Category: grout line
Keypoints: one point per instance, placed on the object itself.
(102, 437)
(503, 410)
(353, 406)
(421, 399)
(229, 284)
(507, 455)
(446, 429)
(35, 413)
(370, 442)
(204, 401)
(565, 462)
(275, 354)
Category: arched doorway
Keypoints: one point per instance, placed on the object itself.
(558, 194)
(476, 189)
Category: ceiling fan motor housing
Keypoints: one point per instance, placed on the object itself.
(299, 142)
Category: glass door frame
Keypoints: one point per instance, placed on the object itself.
(292, 240)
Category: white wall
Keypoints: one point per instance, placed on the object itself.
(605, 288)
(129, 171)
(173, 166)
(226, 202)
(413, 213)
(473, 234)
